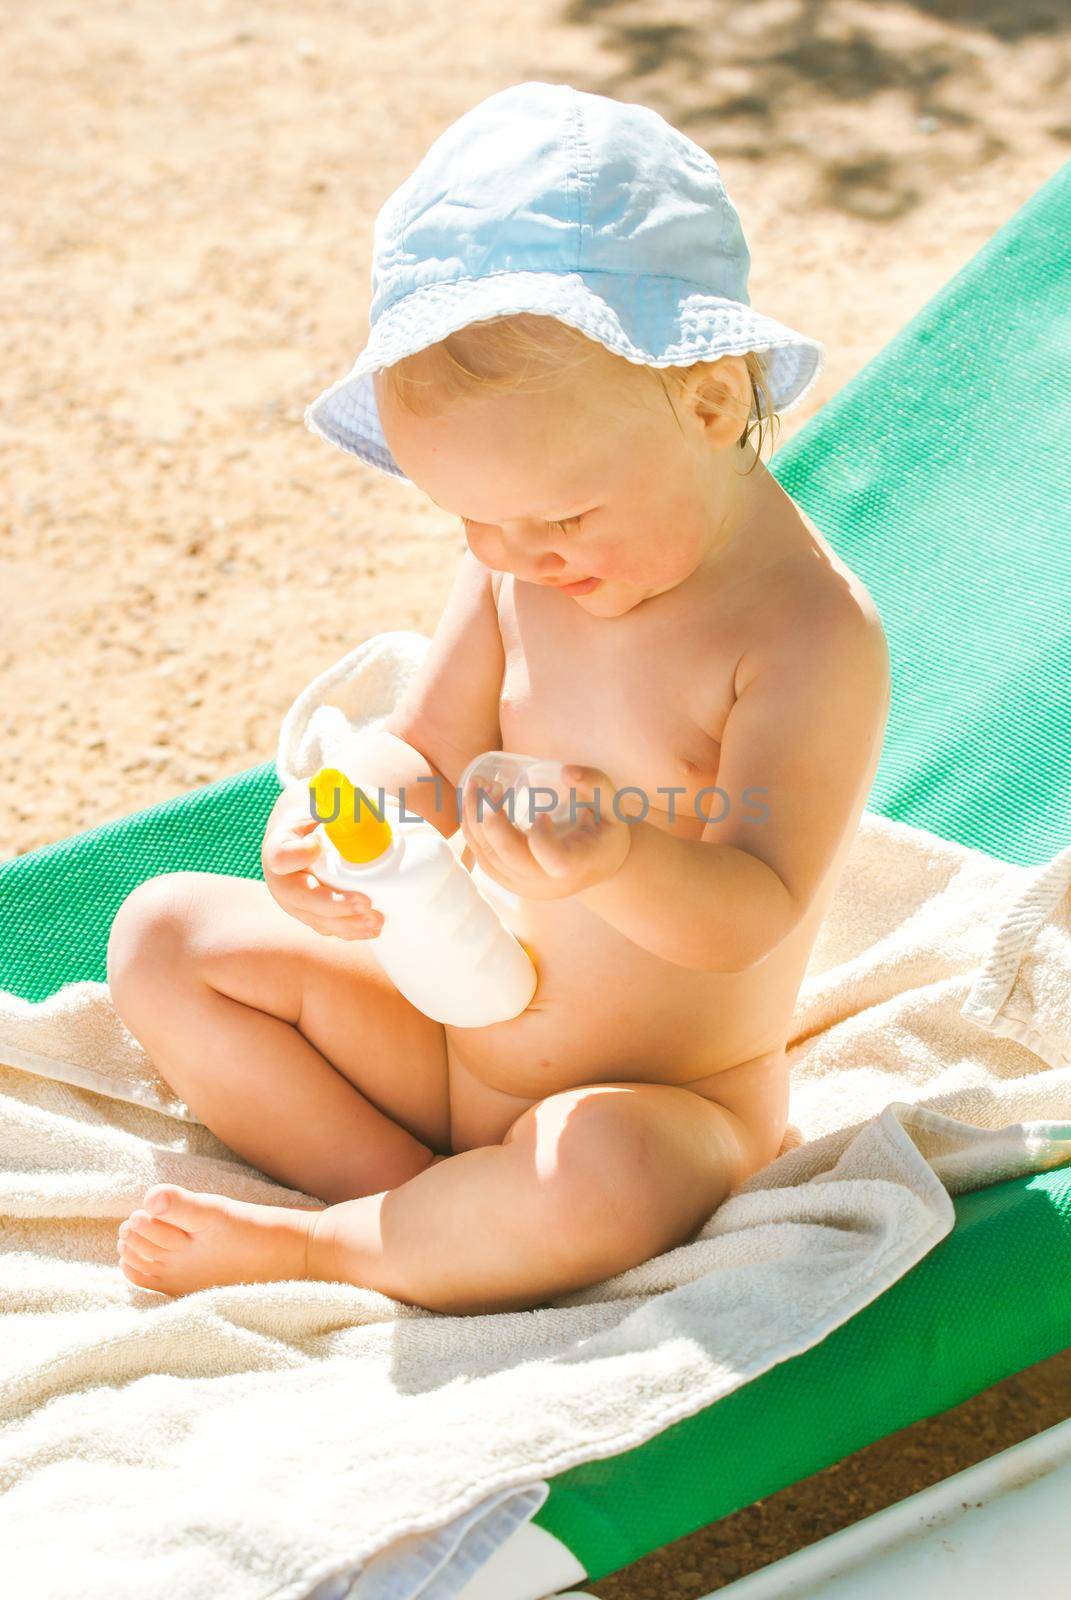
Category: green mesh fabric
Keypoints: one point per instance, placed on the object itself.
(941, 474)
(57, 904)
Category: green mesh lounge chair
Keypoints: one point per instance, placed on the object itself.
(942, 474)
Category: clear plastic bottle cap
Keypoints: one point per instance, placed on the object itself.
(532, 787)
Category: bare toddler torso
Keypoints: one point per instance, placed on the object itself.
(644, 700)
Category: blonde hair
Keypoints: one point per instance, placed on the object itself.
(502, 355)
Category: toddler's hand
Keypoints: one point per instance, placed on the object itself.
(286, 856)
(543, 865)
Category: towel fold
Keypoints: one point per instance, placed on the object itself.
(256, 1441)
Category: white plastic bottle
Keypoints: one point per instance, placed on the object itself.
(442, 943)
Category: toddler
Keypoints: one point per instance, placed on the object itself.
(562, 355)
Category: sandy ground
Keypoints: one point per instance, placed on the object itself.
(190, 199)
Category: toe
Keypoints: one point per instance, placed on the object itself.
(181, 1207)
(130, 1261)
(143, 1280)
(140, 1226)
(138, 1252)
(161, 1197)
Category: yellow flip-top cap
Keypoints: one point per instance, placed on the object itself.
(359, 832)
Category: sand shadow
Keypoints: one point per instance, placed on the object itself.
(755, 82)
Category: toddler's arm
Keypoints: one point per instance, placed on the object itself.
(804, 735)
(449, 711)
(448, 714)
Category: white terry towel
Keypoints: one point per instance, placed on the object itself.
(254, 1441)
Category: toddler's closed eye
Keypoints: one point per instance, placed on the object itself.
(570, 524)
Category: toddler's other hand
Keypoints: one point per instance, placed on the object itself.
(286, 857)
(545, 865)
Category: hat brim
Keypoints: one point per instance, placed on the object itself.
(661, 322)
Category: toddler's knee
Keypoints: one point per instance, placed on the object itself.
(150, 935)
(600, 1177)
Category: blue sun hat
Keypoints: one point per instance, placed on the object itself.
(546, 199)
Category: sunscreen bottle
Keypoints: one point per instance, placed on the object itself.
(442, 943)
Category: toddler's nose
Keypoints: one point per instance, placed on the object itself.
(529, 562)
(548, 565)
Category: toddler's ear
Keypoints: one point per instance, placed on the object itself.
(718, 400)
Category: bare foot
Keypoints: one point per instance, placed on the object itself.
(178, 1241)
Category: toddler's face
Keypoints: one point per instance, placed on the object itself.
(639, 503)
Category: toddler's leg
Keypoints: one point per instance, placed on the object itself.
(586, 1183)
(296, 1050)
